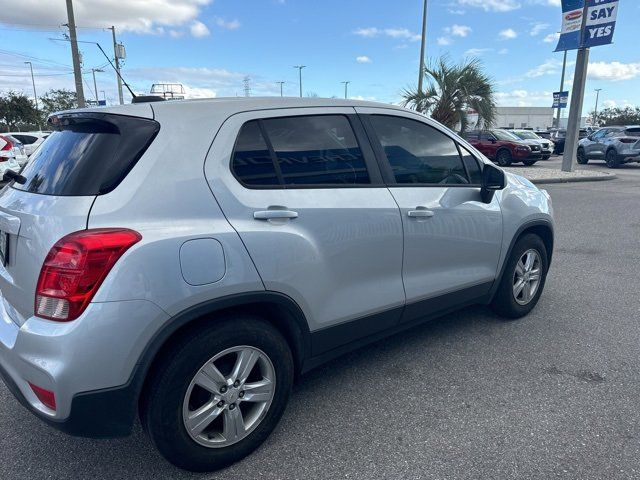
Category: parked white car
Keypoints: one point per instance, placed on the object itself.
(30, 140)
(10, 155)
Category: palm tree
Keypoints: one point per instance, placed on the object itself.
(451, 90)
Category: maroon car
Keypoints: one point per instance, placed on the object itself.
(503, 147)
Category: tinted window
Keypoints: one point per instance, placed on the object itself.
(417, 152)
(471, 135)
(504, 135)
(632, 132)
(252, 162)
(87, 154)
(26, 139)
(473, 168)
(317, 150)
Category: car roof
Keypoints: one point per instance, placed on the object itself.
(236, 104)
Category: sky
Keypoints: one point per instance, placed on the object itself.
(210, 46)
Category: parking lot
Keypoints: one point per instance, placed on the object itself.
(467, 396)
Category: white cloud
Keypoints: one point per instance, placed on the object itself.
(458, 30)
(550, 67)
(614, 71)
(140, 16)
(551, 38)
(397, 33)
(492, 5)
(476, 52)
(443, 41)
(199, 29)
(454, 11)
(363, 59)
(228, 25)
(508, 34)
(503, 51)
(175, 33)
(538, 28)
(524, 98)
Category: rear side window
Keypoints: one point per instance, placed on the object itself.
(314, 150)
(418, 153)
(26, 139)
(87, 154)
(632, 132)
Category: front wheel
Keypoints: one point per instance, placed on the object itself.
(582, 157)
(219, 393)
(523, 278)
(503, 157)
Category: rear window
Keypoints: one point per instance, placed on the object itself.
(87, 154)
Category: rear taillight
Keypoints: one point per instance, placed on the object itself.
(47, 397)
(6, 148)
(74, 269)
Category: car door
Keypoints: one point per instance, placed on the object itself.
(594, 146)
(303, 191)
(452, 239)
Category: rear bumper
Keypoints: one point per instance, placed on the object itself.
(87, 363)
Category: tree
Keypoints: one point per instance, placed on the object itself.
(57, 100)
(618, 116)
(451, 90)
(17, 111)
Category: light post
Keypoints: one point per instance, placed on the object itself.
(300, 67)
(280, 83)
(346, 86)
(35, 95)
(595, 112)
(95, 85)
(422, 45)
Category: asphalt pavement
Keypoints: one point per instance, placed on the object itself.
(468, 396)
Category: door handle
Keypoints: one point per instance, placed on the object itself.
(420, 213)
(271, 214)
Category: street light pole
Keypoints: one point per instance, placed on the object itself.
(595, 112)
(95, 85)
(280, 83)
(346, 86)
(300, 67)
(35, 95)
(422, 45)
(75, 54)
(564, 68)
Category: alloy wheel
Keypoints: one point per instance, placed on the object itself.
(229, 396)
(527, 276)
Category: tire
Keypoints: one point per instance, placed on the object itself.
(503, 158)
(582, 157)
(528, 163)
(505, 303)
(612, 159)
(172, 396)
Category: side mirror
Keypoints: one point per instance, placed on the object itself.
(493, 179)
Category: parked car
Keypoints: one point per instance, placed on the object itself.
(559, 137)
(504, 147)
(294, 230)
(30, 140)
(615, 145)
(10, 155)
(528, 135)
(546, 134)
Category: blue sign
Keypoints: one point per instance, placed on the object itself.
(596, 29)
(570, 34)
(560, 99)
(601, 22)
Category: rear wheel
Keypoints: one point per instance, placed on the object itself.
(219, 394)
(523, 278)
(582, 157)
(503, 157)
(612, 159)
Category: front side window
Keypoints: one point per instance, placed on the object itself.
(418, 153)
(472, 165)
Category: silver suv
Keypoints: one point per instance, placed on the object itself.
(615, 145)
(185, 261)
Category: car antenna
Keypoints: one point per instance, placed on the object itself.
(116, 70)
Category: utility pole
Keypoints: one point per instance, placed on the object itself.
(300, 67)
(564, 68)
(346, 86)
(595, 112)
(280, 83)
(95, 85)
(117, 63)
(75, 54)
(35, 95)
(577, 99)
(422, 45)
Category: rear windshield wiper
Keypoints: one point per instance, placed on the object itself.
(15, 176)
